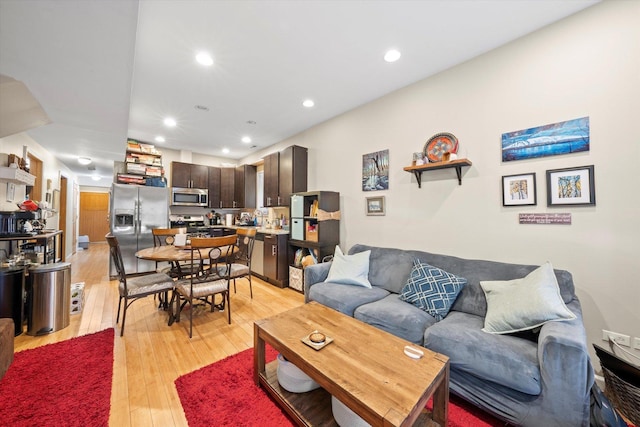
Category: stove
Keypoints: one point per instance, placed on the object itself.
(193, 223)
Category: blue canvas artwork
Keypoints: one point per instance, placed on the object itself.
(567, 137)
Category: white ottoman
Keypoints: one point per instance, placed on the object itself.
(344, 416)
(292, 379)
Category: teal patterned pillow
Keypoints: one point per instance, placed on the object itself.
(432, 289)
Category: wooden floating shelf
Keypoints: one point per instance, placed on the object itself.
(457, 164)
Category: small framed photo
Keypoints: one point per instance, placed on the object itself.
(571, 187)
(375, 205)
(519, 190)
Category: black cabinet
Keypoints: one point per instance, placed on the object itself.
(275, 260)
(285, 173)
(308, 231)
(12, 296)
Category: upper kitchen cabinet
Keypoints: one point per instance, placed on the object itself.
(227, 187)
(214, 187)
(271, 179)
(285, 173)
(188, 175)
(236, 187)
(245, 186)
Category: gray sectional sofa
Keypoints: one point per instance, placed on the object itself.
(540, 378)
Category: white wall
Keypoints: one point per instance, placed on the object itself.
(52, 169)
(586, 65)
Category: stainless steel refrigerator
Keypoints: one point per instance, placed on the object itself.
(134, 212)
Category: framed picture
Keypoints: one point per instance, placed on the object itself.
(375, 171)
(375, 205)
(571, 187)
(519, 190)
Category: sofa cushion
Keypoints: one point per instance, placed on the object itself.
(432, 289)
(504, 359)
(526, 303)
(388, 268)
(350, 269)
(344, 298)
(397, 317)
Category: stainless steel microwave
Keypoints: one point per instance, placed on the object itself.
(189, 197)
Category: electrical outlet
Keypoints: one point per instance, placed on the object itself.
(636, 343)
(620, 339)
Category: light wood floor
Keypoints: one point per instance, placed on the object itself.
(151, 355)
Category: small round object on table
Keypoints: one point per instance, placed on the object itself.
(317, 338)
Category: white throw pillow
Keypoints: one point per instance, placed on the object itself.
(526, 303)
(350, 269)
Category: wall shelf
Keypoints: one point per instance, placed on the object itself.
(457, 164)
(16, 176)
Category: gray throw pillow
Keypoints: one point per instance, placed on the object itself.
(523, 304)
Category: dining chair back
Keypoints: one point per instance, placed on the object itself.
(131, 289)
(167, 237)
(240, 265)
(208, 281)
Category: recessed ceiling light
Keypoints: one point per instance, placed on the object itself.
(204, 58)
(308, 103)
(96, 177)
(170, 122)
(225, 150)
(84, 160)
(160, 138)
(246, 139)
(392, 55)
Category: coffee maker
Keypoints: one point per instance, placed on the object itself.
(19, 223)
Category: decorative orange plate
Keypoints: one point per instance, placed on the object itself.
(439, 144)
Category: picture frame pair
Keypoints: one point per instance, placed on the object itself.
(565, 187)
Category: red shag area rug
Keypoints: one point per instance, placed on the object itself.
(62, 384)
(224, 394)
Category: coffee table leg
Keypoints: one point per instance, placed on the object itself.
(258, 354)
(441, 399)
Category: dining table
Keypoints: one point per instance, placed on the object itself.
(176, 254)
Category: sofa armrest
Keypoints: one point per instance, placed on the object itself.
(313, 274)
(565, 368)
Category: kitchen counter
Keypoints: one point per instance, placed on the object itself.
(262, 230)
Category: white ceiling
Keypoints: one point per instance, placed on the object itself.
(111, 69)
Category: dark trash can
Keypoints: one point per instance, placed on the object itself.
(48, 298)
(12, 295)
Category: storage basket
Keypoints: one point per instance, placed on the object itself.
(624, 396)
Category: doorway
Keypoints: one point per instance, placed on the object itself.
(35, 169)
(94, 215)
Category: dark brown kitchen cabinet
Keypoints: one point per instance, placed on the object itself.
(275, 261)
(245, 186)
(285, 173)
(227, 187)
(271, 179)
(188, 175)
(292, 175)
(214, 187)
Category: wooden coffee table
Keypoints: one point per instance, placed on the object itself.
(364, 367)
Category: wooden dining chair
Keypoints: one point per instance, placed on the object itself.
(240, 262)
(134, 288)
(207, 282)
(164, 237)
